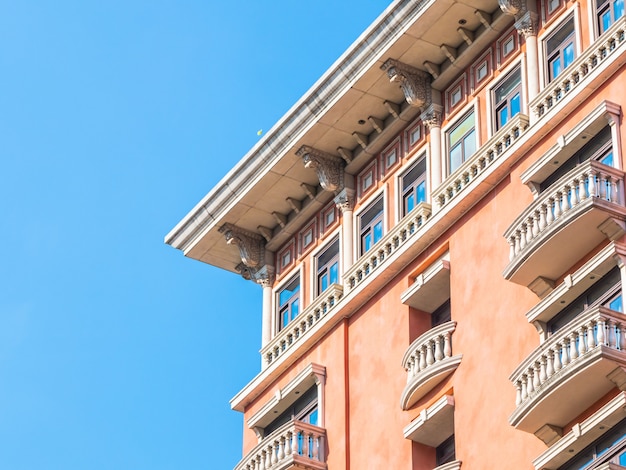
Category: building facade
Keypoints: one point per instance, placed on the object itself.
(438, 230)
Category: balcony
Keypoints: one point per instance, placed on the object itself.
(565, 222)
(570, 371)
(296, 445)
(302, 324)
(473, 170)
(428, 361)
(585, 74)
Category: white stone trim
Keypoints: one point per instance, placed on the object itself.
(430, 286)
(583, 434)
(456, 465)
(434, 424)
(311, 375)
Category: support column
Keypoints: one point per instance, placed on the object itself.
(527, 25)
(620, 258)
(345, 202)
(266, 329)
(431, 117)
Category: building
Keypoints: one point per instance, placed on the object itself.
(438, 230)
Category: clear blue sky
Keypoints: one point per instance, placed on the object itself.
(116, 118)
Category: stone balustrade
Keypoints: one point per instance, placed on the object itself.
(484, 158)
(611, 44)
(298, 328)
(427, 361)
(397, 237)
(591, 181)
(596, 328)
(294, 445)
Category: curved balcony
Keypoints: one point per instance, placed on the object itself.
(428, 361)
(570, 371)
(566, 221)
(295, 445)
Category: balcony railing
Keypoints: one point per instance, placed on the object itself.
(428, 361)
(566, 214)
(390, 243)
(475, 166)
(575, 77)
(298, 328)
(574, 362)
(295, 445)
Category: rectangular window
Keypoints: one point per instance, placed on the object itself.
(507, 45)
(288, 302)
(609, 11)
(461, 141)
(367, 178)
(391, 155)
(560, 49)
(481, 69)
(456, 93)
(328, 267)
(508, 98)
(551, 6)
(304, 409)
(371, 225)
(445, 451)
(414, 185)
(414, 135)
(611, 447)
(329, 217)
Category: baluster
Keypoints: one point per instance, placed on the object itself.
(550, 364)
(281, 448)
(566, 356)
(268, 457)
(590, 340)
(289, 444)
(614, 194)
(430, 358)
(530, 384)
(542, 217)
(576, 189)
(557, 357)
(602, 183)
(567, 198)
(522, 241)
(546, 363)
(536, 216)
(622, 337)
(518, 393)
(584, 190)
(261, 461)
(524, 388)
(557, 206)
(438, 348)
(422, 353)
(593, 191)
(611, 336)
(550, 211)
(447, 346)
(511, 248)
(537, 379)
(573, 350)
(601, 332)
(582, 343)
(274, 450)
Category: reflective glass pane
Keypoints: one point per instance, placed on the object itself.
(618, 7)
(515, 105)
(616, 304)
(607, 159)
(378, 231)
(503, 116)
(456, 156)
(470, 144)
(555, 67)
(334, 273)
(568, 55)
(421, 192)
(409, 202)
(605, 20)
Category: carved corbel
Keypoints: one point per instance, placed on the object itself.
(415, 83)
(527, 24)
(264, 276)
(329, 168)
(432, 116)
(515, 8)
(251, 245)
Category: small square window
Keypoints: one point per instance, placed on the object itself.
(456, 93)
(307, 235)
(552, 6)
(307, 238)
(286, 256)
(391, 155)
(508, 47)
(285, 259)
(414, 135)
(367, 178)
(455, 96)
(481, 70)
(329, 217)
(508, 44)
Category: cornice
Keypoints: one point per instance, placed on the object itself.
(360, 57)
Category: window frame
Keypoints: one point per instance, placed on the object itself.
(601, 7)
(288, 250)
(403, 191)
(371, 169)
(487, 59)
(323, 270)
(296, 277)
(394, 147)
(375, 199)
(499, 105)
(463, 115)
(550, 55)
(459, 84)
(503, 56)
(416, 125)
(310, 227)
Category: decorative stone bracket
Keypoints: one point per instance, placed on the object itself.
(414, 83)
(329, 168)
(526, 22)
(251, 245)
(264, 276)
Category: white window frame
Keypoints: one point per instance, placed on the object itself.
(364, 206)
(472, 106)
(286, 279)
(574, 11)
(315, 255)
(491, 105)
(405, 169)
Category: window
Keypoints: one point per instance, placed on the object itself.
(598, 148)
(414, 135)
(609, 11)
(607, 292)
(461, 141)
(609, 448)
(444, 452)
(414, 186)
(507, 98)
(481, 69)
(441, 315)
(308, 235)
(367, 178)
(560, 49)
(371, 225)
(286, 256)
(328, 267)
(304, 409)
(391, 155)
(329, 217)
(551, 6)
(288, 302)
(455, 94)
(507, 45)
